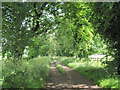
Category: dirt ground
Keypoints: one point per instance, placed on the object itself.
(69, 81)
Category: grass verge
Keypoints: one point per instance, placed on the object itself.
(93, 70)
(59, 67)
(25, 74)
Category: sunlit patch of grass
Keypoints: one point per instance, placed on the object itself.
(89, 71)
(109, 83)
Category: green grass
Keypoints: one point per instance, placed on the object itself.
(66, 60)
(59, 67)
(25, 74)
(93, 70)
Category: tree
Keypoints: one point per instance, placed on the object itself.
(75, 31)
(106, 16)
(21, 22)
(14, 29)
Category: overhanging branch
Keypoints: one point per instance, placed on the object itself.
(37, 16)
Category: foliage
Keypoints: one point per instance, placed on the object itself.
(108, 83)
(74, 34)
(39, 46)
(71, 27)
(63, 29)
(98, 46)
(106, 16)
(13, 29)
(93, 70)
(66, 60)
(21, 24)
(43, 22)
(25, 74)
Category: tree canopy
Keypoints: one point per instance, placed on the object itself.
(61, 28)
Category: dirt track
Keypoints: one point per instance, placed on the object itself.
(69, 81)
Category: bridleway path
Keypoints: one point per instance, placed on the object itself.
(69, 81)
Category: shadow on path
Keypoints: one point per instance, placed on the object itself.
(68, 81)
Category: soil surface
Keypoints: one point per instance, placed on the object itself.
(68, 81)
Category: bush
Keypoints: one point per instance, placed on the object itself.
(66, 60)
(26, 74)
(108, 83)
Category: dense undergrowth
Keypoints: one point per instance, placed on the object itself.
(25, 74)
(94, 70)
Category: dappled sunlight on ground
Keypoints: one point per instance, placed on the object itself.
(71, 86)
(68, 81)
